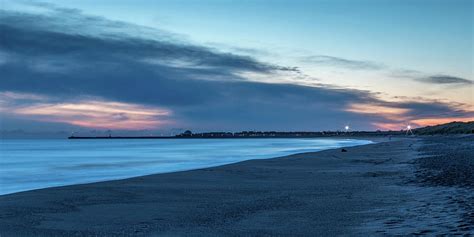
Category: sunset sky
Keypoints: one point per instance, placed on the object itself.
(211, 65)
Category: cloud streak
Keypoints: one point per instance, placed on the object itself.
(90, 112)
(344, 63)
(395, 116)
(446, 79)
(439, 79)
(339, 62)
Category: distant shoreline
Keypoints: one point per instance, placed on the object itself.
(259, 135)
(282, 137)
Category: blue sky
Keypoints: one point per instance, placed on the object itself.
(410, 60)
(430, 35)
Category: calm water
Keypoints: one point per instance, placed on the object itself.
(33, 164)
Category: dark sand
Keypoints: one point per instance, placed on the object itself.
(395, 187)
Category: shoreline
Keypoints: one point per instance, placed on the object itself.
(365, 139)
(340, 136)
(358, 192)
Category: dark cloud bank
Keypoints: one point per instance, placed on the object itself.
(88, 56)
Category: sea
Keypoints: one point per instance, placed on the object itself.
(41, 163)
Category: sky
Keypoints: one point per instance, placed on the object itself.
(160, 67)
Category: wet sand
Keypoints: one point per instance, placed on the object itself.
(375, 189)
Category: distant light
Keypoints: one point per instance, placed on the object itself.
(408, 127)
(346, 127)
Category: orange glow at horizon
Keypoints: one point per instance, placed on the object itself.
(435, 121)
(388, 112)
(98, 114)
(389, 126)
(396, 126)
(398, 118)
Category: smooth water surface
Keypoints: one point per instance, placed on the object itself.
(34, 164)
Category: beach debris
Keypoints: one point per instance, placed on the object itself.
(343, 150)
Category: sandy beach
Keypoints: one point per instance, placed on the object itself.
(256, 118)
(408, 186)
